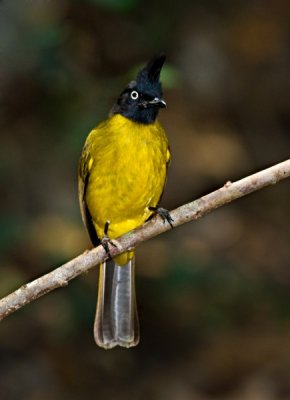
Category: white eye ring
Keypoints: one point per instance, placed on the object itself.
(134, 95)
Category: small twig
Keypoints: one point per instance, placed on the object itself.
(188, 212)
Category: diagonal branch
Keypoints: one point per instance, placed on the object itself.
(188, 212)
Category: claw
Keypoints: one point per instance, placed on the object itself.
(106, 241)
(164, 214)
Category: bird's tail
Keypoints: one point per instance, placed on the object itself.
(116, 322)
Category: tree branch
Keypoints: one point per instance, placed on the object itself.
(188, 212)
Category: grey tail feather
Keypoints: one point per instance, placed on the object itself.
(116, 322)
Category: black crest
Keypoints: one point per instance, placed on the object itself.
(142, 98)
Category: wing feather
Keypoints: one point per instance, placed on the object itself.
(85, 166)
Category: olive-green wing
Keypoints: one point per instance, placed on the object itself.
(168, 160)
(84, 177)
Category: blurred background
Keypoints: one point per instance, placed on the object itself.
(213, 295)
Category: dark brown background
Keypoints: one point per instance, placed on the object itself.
(214, 295)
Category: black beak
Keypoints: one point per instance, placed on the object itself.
(156, 102)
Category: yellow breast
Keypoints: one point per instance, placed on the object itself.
(127, 164)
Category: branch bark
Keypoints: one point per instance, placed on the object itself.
(188, 212)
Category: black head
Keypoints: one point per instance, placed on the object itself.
(142, 98)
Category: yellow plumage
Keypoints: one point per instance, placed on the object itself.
(127, 163)
(122, 174)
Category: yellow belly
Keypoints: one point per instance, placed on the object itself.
(127, 173)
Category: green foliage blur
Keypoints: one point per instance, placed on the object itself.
(214, 295)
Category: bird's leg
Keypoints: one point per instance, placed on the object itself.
(164, 214)
(106, 241)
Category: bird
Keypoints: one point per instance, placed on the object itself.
(122, 174)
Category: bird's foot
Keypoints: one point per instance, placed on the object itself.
(106, 242)
(164, 214)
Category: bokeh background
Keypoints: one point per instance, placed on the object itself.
(213, 295)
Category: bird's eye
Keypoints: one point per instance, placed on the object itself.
(134, 95)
